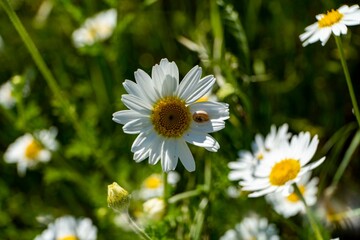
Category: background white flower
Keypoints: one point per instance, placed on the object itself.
(283, 166)
(68, 227)
(166, 115)
(28, 150)
(334, 21)
(250, 228)
(6, 97)
(97, 28)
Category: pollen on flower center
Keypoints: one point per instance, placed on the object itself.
(33, 149)
(330, 18)
(170, 117)
(284, 171)
(293, 197)
(69, 237)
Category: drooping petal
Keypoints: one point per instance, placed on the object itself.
(186, 156)
(169, 155)
(202, 140)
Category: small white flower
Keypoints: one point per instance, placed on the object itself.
(67, 227)
(97, 28)
(173, 178)
(28, 150)
(152, 186)
(6, 95)
(283, 166)
(166, 115)
(251, 228)
(247, 162)
(334, 21)
(153, 209)
(291, 205)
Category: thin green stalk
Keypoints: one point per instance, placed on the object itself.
(196, 228)
(185, 195)
(136, 228)
(39, 61)
(309, 213)
(345, 162)
(166, 189)
(348, 78)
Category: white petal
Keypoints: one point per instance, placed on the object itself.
(186, 156)
(169, 155)
(158, 76)
(155, 152)
(203, 86)
(208, 127)
(136, 103)
(132, 88)
(146, 85)
(202, 140)
(125, 116)
(189, 82)
(137, 126)
(169, 86)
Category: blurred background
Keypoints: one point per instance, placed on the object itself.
(262, 71)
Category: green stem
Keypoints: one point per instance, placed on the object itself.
(196, 228)
(166, 189)
(185, 195)
(348, 78)
(39, 61)
(137, 229)
(309, 213)
(345, 162)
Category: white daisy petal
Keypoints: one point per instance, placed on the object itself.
(125, 116)
(136, 103)
(137, 125)
(186, 157)
(202, 140)
(189, 82)
(169, 157)
(203, 86)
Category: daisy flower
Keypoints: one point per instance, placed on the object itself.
(67, 227)
(245, 165)
(334, 21)
(95, 29)
(28, 150)
(153, 209)
(291, 205)
(7, 99)
(166, 115)
(152, 186)
(250, 228)
(283, 166)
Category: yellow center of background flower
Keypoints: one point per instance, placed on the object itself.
(70, 237)
(170, 117)
(293, 197)
(33, 149)
(330, 18)
(153, 182)
(284, 171)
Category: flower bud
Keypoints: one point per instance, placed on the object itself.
(118, 198)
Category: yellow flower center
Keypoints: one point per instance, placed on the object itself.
(69, 237)
(33, 149)
(284, 171)
(153, 182)
(170, 117)
(330, 18)
(293, 197)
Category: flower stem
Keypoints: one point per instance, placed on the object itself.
(345, 162)
(348, 78)
(136, 228)
(309, 213)
(166, 190)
